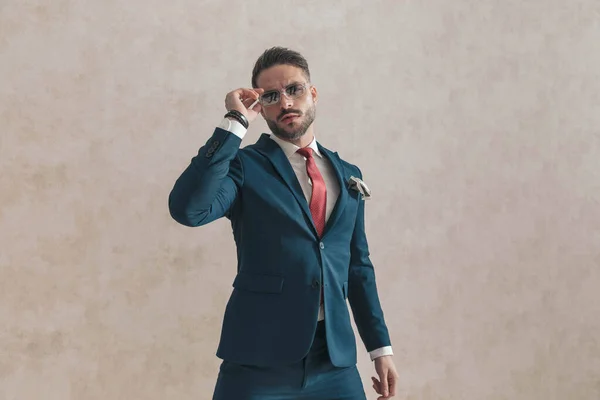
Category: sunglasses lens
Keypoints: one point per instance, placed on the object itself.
(269, 98)
(295, 91)
(291, 92)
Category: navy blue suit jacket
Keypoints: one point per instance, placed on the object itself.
(271, 316)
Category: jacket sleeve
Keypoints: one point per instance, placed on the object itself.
(209, 187)
(362, 289)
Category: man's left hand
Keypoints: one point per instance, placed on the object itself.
(388, 377)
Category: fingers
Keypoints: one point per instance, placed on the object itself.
(244, 100)
(250, 98)
(380, 387)
(253, 94)
(384, 384)
(376, 385)
(252, 104)
(392, 382)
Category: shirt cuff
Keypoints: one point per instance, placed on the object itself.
(380, 352)
(234, 127)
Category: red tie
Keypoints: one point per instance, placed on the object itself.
(318, 200)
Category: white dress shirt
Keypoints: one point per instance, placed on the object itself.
(298, 163)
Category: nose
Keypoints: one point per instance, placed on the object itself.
(285, 102)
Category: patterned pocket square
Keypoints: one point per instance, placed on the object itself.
(361, 187)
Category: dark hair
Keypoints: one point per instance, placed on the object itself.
(278, 56)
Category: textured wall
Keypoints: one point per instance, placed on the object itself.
(475, 124)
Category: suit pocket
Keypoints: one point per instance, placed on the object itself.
(258, 283)
(345, 290)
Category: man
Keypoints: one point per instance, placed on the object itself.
(297, 214)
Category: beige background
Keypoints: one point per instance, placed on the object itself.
(476, 126)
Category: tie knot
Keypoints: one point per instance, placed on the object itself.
(306, 152)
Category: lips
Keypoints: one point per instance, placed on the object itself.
(289, 117)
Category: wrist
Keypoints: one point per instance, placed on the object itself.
(238, 116)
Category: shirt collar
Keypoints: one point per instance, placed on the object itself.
(290, 149)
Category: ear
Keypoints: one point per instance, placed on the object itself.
(314, 94)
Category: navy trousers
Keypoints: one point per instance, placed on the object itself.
(313, 378)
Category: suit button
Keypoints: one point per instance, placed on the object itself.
(322, 245)
(315, 284)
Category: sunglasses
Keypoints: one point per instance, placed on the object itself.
(272, 97)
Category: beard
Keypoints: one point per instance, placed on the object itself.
(293, 134)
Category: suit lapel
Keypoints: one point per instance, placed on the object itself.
(266, 146)
(271, 150)
(340, 204)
